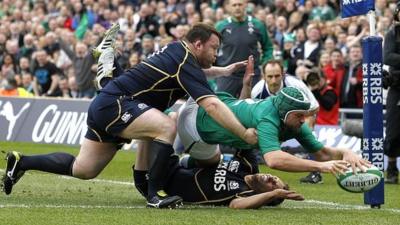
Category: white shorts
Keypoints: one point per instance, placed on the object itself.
(190, 138)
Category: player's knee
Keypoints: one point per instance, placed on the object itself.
(83, 172)
(168, 127)
(85, 175)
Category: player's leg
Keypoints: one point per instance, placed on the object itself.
(201, 153)
(161, 129)
(93, 157)
(141, 167)
(91, 160)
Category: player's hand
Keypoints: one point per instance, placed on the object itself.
(230, 69)
(355, 161)
(333, 166)
(249, 73)
(250, 136)
(288, 194)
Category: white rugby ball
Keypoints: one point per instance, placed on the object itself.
(360, 182)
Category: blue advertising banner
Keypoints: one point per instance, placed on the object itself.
(356, 7)
(373, 117)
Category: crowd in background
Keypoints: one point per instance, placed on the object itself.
(45, 45)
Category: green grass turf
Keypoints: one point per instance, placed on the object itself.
(41, 198)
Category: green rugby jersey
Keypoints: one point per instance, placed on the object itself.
(240, 40)
(259, 114)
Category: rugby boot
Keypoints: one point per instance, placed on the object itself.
(312, 178)
(105, 67)
(13, 173)
(161, 200)
(392, 177)
(108, 40)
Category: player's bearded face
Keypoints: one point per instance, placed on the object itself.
(208, 53)
(261, 183)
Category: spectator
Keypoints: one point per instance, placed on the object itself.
(73, 87)
(241, 36)
(83, 19)
(24, 65)
(11, 89)
(308, 50)
(84, 67)
(46, 75)
(322, 12)
(281, 26)
(328, 113)
(334, 71)
(351, 89)
(63, 87)
(147, 46)
(324, 59)
(27, 81)
(8, 67)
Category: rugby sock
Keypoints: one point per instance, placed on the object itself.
(58, 163)
(392, 165)
(141, 181)
(159, 168)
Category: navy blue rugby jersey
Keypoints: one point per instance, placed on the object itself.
(163, 78)
(216, 186)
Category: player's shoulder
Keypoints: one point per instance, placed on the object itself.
(221, 24)
(175, 45)
(269, 114)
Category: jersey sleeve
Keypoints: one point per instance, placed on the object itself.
(268, 137)
(308, 140)
(193, 80)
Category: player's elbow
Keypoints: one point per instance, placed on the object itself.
(273, 160)
(210, 105)
(273, 164)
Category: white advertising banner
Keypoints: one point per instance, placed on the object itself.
(55, 121)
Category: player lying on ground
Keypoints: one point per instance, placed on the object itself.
(276, 119)
(236, 183)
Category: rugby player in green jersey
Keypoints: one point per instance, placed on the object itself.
(276, 119)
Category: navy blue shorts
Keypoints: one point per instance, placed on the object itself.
(109, 115)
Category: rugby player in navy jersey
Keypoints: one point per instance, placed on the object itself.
(130, 106)
(235, 183)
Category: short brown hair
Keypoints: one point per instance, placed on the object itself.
(202, 32)
(272, 62)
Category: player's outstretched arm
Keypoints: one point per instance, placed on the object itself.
(259, 200)
(225, 117)
(218, 71)
(281, 160)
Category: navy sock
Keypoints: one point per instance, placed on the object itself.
(141, 181)
(159, 168)
(58, 163)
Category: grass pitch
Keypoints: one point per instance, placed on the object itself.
(111, 198)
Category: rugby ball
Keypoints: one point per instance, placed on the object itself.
(360, 182)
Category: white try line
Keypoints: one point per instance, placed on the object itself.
(313, 205)
(100, 181)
